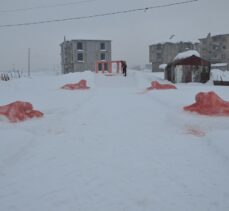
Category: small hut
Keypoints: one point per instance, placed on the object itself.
(188, 67)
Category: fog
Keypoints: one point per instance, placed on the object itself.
(131, 33)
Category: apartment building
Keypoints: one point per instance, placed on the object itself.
(215, 48)
(164, 53)
(80, 55)
(212, 48)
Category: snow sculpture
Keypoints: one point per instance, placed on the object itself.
(80, 85)
(19, 111)
(209, 104)
(157, 85)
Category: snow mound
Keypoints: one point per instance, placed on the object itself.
(157, 85)
(209, 104)
(186, 54)
(19, 111)
(82, 84)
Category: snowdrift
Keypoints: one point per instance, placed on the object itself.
(19, 111)
(157, 85)
(80, 85)
(209, 104)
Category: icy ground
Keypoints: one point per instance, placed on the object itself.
(113, 147)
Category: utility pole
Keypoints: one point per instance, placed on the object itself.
(29, 62)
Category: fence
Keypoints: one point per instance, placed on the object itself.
(6, 76)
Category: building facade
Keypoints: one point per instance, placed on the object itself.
(215, 48)
(212, 48)
(164, 53)
(80, 55)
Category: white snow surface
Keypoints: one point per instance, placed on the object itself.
(219, 65)
(219, 75)
(162, 66)
(186, 54)
(114, 147)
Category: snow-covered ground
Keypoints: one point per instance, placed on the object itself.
(114, 147)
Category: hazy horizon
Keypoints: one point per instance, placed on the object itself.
(131, 33)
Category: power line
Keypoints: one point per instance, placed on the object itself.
(46, 6)
(98, 15)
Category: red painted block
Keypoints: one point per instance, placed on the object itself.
(19, 111)
(157, 85)
(80, 85)
(209, 104)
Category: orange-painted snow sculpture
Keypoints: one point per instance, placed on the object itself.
(157, 85)
(80, 85)
(209, 104)
(19, 111)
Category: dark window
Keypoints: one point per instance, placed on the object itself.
(102, 56)
(100, 66)
(159, 56)
(102, 46)
(159, 46)
(79, 46)
(80, 57)
(215, 47)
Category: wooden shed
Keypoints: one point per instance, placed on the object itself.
(188, 67)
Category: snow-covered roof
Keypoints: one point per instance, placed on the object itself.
(219, 65)
(175, 39)
(162, 66)
(186, 54)
(87, 37)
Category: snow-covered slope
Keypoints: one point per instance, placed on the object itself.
(113, 147)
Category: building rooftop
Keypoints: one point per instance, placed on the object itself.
(186, 54)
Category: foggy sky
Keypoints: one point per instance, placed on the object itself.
(131, 33)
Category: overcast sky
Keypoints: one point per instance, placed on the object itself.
(131, 33)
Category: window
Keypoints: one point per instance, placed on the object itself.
(100, 66)
(159, 56)
(79, 46)
(158, 46)
(80, 57)
(102, 46)
(215, 47)
(102, 56)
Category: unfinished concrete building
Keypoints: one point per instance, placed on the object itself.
(164, 53)
(80, 55)
(215, 48)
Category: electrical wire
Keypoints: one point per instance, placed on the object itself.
(99, 15)
(46, 6)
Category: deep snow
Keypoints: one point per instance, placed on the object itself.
(113, 147)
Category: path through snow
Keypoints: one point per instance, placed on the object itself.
(111, 148)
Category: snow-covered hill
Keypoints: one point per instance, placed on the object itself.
(113, 147)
